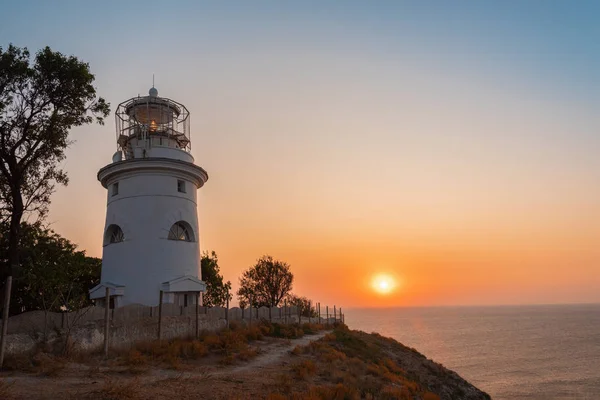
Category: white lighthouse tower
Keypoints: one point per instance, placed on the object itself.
(151, 231)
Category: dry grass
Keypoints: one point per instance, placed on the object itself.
(43, 364)
(304, 369)
(6, 389)
(276, 396)
(118, 390)
(231, 345)
(346, 365)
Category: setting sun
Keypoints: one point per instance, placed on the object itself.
(383, 284)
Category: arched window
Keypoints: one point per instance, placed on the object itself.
(114, 234)
(181, 231)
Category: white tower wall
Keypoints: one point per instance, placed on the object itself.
(147, 206)
(151, 236)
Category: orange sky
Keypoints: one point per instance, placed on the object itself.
(459, 156)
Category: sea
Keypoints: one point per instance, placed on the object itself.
(510, 352)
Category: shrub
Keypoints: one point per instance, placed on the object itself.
(336, 392)
(298, 350)
(395, 393)
(212, 341)
(228, 359)
(247, 353)
(304, 369)
(310, 328)
(135, 357)
(253, 333)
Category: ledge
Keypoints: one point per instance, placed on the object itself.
(195, 173)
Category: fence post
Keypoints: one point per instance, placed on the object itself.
(341, 316)
(106, 320)
(285, 311)
(160, 303)
(299, 314)
(318, 305)
(270, 316)
(227, 310)
(309, 310)
(334, 315)
(197, 315)
(250, 310)
(327, 311)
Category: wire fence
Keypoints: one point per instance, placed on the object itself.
(105, 328)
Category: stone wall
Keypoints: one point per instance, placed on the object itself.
(130, 324)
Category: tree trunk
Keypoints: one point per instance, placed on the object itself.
(7, 289)
(13, 263)
(14, 234)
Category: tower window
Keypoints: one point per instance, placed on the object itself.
(180, 186)
(181, 231)
(115, 188)
(113, 234)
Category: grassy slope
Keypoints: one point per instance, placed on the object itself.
(355, 365)
(344, 364)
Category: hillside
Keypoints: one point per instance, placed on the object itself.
(268, 361)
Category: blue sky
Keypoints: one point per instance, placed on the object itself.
(382, 130)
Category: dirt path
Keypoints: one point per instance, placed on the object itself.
(270, 353)
(274, 355)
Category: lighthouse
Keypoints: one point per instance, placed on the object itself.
(150, 240)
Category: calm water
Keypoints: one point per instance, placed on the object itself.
(512, 352)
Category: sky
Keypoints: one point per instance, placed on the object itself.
(452, 146)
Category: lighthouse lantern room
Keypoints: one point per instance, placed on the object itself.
(150, 240)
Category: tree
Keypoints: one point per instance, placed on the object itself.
(54, 276)
(266, 283)
(217, 292)
(303, 303)
(40, 103)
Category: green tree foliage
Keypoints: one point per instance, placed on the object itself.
(41, 100)
(216, 290)
(53, 275)
(303, 303)
(266, 283)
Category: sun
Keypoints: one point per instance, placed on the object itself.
(383, 284)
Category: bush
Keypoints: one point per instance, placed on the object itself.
(298, 350)
(247, 354)
(304, 369)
